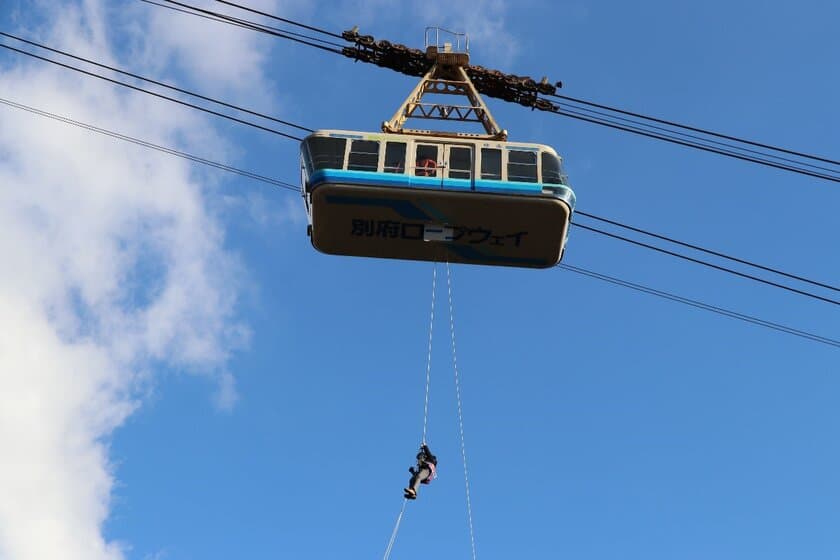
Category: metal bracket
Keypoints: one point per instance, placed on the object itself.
(445, 79)
(439, 63)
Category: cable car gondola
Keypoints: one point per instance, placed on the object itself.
(437, 196)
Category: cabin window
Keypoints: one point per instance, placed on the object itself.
(491, 164)
(522, 166)
(364, 155)
(394, 157)
(460, 162)
(551, 169)
(305, 169)
(326, 153)
(425, 162)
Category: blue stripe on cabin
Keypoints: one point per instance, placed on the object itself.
(403, 180)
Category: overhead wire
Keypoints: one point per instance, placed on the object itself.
(153, 93)
(699, 140)
(696, 129)
(242, 23)
(288, 186)
(153, 81)
(253, 26)
(284, 20)
(692, 144)
(153, 146)
(700, 305)
(708, 251)
(706, 263)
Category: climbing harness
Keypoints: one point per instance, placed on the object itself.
(432, 473)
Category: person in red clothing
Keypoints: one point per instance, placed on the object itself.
(423, 473)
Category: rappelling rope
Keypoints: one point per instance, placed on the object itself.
(429, 355)
(394, 532)
(460, 414)
(425, 408)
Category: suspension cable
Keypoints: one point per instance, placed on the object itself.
(152, 81)
(460, 413)
(149, 92)
(152, 146)
(708, 264)
(243, 23)
(284, 20)
(253, 26)
(708, 251)
(701, 305)
(696, 129)
(692, 144)
(696, 140)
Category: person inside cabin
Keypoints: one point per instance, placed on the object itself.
(423, 473)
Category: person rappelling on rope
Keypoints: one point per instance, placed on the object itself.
(423, 473)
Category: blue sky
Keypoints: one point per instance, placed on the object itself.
(185, 377)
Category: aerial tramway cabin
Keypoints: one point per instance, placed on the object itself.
(421, 195)
(436, 198)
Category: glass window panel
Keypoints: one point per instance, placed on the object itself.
(305, 158)
(364, 155)
(491, 164)
(305, 169)
(394, 157)
(460, 162)
(326, 153)
(426, 160)
(551, 169)
(522, 166)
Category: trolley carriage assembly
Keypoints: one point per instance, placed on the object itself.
(437, 196)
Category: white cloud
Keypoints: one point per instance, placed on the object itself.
(226, 395)
(58, 401)
(111, 263)
(268, 213)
